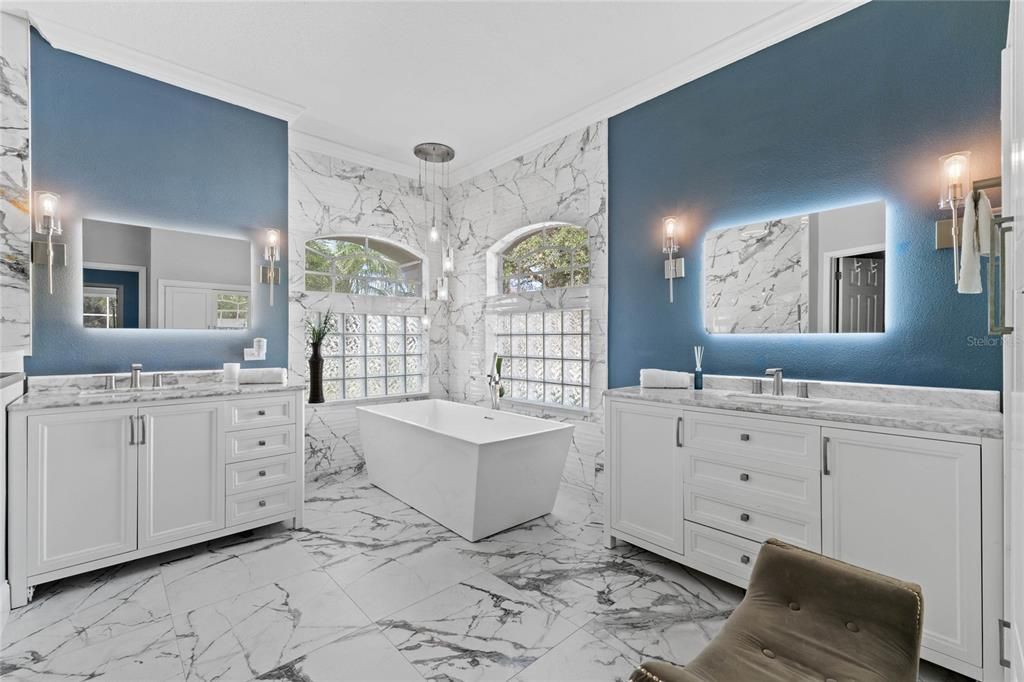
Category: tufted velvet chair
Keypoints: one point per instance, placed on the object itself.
(808, 617)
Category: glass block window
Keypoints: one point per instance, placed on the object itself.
(546, 356)
(360, 265)
(551, 257)
(368, 356)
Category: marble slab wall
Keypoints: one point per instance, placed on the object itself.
(15, 190)
(565, 181)
(330, 196)
(756, 277)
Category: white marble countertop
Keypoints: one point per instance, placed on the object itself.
(958, 421)
(50, 399)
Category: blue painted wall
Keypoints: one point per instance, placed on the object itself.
(125, 148)
(857, 109)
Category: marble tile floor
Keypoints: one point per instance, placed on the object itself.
(370, 589)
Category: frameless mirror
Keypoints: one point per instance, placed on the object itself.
(136, 277)
(812, 273)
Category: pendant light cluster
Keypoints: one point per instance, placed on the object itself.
(434, 159)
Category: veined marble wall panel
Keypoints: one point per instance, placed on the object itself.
(15, 190)
(565, 181)
(331, 196)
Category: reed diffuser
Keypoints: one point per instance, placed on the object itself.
(698, 373)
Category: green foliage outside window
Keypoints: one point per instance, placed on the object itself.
(350, 267)
(547, 259)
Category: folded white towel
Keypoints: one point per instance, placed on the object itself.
(263, 375)
(663, 378)
(984, 224)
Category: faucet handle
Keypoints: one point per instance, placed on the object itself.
(772, 371)
(136, 366)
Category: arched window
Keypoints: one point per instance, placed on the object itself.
(362, 265)
(546, 258)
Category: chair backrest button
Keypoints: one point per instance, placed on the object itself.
(793, 606)
(768, 652)
(852, 627)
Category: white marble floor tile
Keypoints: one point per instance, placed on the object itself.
(251, 633)
(84, 610)
(147, 652)
(363, 655)
(228, 568)
(583, 658)
(479, 629)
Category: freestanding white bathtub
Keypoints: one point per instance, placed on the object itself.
(474, 470)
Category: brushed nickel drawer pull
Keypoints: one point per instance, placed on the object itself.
(263, 472)
(679, 426)
(261, 413)
(744, 477)
(744, 436)
(263, 503)
(262, 443)
(744, 517)
(744, 559)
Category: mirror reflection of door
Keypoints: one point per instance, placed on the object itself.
(858, 303)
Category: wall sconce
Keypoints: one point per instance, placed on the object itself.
(674, 267)
(442, 288)
(955, 173)
(47, 222)
(270, 273)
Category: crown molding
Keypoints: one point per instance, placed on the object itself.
(743, 43)
(72, 40)
(316, 143)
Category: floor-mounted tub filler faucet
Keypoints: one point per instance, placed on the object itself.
(776, 374)
(494, 382)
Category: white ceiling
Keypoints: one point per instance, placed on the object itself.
(490, 78)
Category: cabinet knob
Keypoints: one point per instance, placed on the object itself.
(744, 516)
(261, 413)
(263, 503)
(744, 559)
(262, 443)
(263, 472)
(744, 436)
(744, 477)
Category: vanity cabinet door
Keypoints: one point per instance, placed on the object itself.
(81, 488)
(911, 508)
(646, 473)
(181, 472)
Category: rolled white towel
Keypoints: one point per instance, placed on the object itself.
(663, 378)
(263, 375)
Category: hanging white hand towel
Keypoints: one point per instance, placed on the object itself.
(984, 224)
(970, 253)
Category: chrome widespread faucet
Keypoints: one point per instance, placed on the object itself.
(776, 374)
(136, 375)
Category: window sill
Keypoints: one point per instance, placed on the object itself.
(372, 400)
(548, 407)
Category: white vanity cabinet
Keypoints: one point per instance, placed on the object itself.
(181, 472)
(81, 485)
(102, 484)
(646, 463)
(705, 487)
(911, 508)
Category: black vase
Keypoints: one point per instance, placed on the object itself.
(316, 375)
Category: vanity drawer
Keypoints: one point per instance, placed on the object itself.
(765, 439)
(718, 552)
(257, 474)
(258, 443)
(747, 478)
(260, 504)
(254, 412)
(750, 517)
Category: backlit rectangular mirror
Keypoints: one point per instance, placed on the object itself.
(818, 272)
(136, 277)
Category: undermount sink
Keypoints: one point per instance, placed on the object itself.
(768, 399)
(125, 390)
